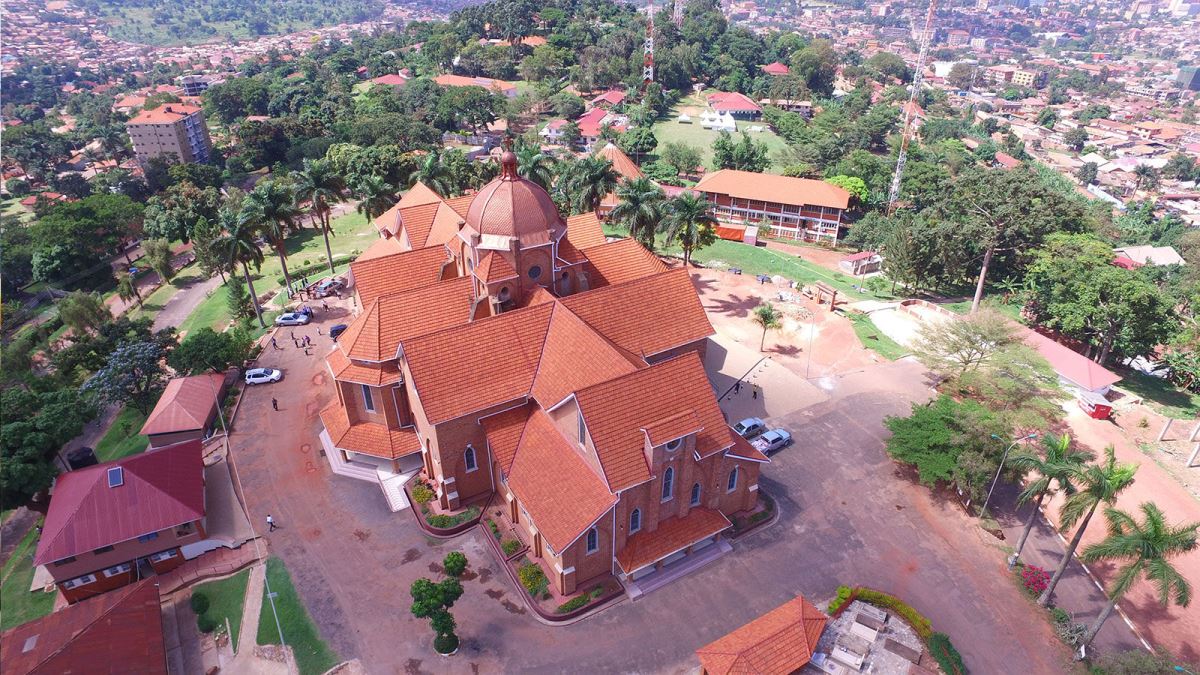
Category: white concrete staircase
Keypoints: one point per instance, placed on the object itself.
(341, 467)
(393, 488)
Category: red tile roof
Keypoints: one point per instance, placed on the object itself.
(162, 488)
(610, 97)
(186, 404)
(645, 316)
(776, 68)
(374, 374)
(672, 427)
(546, 467)
(619, 261)
(499, 86)
(861, 255)
(460, 204)
(391, 80)
(722, 101)
(744, 450)
(621, 163)
(118, 632)
(383, 246)
(573, 357)
(585, 231)
(503, 431)
(376, 333)
(425, 228)
(618, 411)
(368, 438)
(778, 642)
(494, 267)
(673, 534)
(397, 273)
(774, 189)
(165, 114)
(1070, 364)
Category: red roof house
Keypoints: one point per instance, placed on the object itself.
(1071, 366)
(776, 69)
(737, 104)
(187, 410)
(779, 642)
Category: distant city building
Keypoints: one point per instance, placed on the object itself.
(958, 38)
(1162, 95)
(171, 130)
(1189, 78)
(193, 85)
(1029, 78)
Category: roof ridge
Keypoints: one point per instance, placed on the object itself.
(78, 505)
(127, 591)
(162, 489)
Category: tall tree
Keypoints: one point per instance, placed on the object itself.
(1059, 465)
(127, 289)
(317, 184)
(374, 196)
(689, 220)
(240, 246)
(83, 312)
(768, 318)
(589, 181)
(535, 165)
(640, 209)
(133, 375)
(1099, 484)
(1146, 548)
(158, 256)
(433, 174)
(204, 236)
(270, 209)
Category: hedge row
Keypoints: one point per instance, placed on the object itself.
(320, 267)
(919, 623)
(946, 655)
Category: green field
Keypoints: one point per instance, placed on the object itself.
(1161, 395)
(671, 131)
(123, 438)
(313, 656)
(874, 339)
(10, 208)
(226, 599)
(17, 604)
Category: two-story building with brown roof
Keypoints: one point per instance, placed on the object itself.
(793, 208)
(519, 356)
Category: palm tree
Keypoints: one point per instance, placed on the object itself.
(317, 184)
(640, 209)
(375, 196)
(767, 318)
(535, 165)
(1146, 548)
(1147, 177)
(690, 221)
(434, 175)
(270, 208)
(590, 180)
(240, 245)
(127, 289)
(1060, 465)
(1101, 483)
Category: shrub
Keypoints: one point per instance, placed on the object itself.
(574, 603)
(445, 644)
(946, 655)
(421, 494)
(842, 597)
(596, 592)
(441, 522)
(455, 563)
(494, 528)
(919, 623)
(200, 603)
(510, 546)
(1034, 579)
(533, 578)
(206, 623)
(1059, 615)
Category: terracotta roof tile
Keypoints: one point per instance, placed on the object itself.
(165, 114)
(119, 631)
(775, 189)
(621, 163)
(585, 231)
(185, 405)
(497, 355)
(460, 204)
(415, 224)
(617, 411)
(381, 247)
(374, 374)
(778, 642)
(368, 438)
(503, 431)
(744, 450)
(573, 357)
(671, 535)
(376, 333)
(645, 316)
(445, 225)
(568, 253)
(539, 296)
(397, 273)
(546, 467)
(417, 195)
(619, 261)
(494, 267)
(672, 427)
(162, 488)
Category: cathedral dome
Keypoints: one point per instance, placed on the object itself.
(511, 207)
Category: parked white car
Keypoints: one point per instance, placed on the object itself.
(291, 319)
(263, 375)
(773, 441)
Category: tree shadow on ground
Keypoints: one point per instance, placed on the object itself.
(736, 306)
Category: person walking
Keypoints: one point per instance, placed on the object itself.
(324, 305)
(270, 523)
(275, 404)
(274, 345)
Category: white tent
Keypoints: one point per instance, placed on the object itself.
(684, 119)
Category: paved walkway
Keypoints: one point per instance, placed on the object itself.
(181, 305)
(216, 563)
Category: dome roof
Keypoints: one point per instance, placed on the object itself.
(511, 207)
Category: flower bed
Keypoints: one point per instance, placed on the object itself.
(436, 521)
(1034, 579)
(505, 536)
(533, 579)
(761, 514)
(938, 644)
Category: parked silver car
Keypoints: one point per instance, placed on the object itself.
(772, 441)
(292, 319)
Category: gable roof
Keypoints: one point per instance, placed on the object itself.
(494, 267)
(368, 438)
(383, 246)
(376, 333)
(1070, 364)
(460, 204)
(503, 431)
(374, 374)
(617, 413)
(575, 356)
(118, 632)
(621, 163)
(645, 316)
(732, 101)
(429, 224)
(162, 488)
(397, 273)
(545, 468)
(619, 261)
(778, 642)
(584, 230)
(775, 189)
(185, 405)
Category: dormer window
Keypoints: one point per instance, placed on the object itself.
(672, 446)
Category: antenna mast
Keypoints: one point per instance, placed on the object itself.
(648, 47)
(906, 125)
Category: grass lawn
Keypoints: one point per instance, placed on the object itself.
(1010, 309)
(671, 131)
(11, 208)
(122, 438)
(154, 303)
(17, 604)
(313, 656)
(1160, 394)
(874, 339)
(226, 599)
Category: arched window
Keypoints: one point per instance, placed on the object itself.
(733, 479)
(696, 495)
(635, 521)
(668, 484)
(672, 446)
(593, 540)
(469, 459)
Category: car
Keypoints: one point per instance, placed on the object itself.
(291, 319)
(327, 288)
(750, 427)
(336, 331)
(773, 441)
(263, 375)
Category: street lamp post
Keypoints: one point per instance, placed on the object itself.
(1003, 458)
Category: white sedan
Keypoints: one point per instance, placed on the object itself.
(772, 441)
(263, 375)
(291, 319)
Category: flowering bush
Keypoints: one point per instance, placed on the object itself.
(1034, 579)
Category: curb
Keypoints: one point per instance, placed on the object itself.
(762, 524)
(448, 533)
